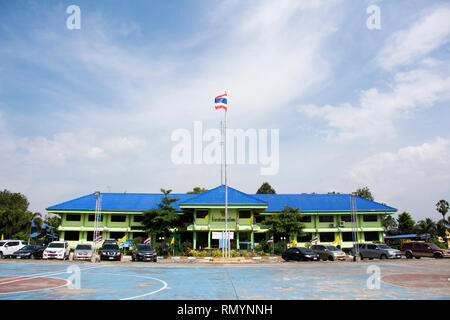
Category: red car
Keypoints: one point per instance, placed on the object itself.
(423, 249)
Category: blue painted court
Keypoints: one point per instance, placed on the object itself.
(205, 281)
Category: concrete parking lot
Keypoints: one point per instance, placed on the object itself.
(199, 280)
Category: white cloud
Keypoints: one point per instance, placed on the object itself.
(430, 32)
(412, 178)
(375, 115)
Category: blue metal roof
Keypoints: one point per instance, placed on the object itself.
(320, 202)
(275, 202)
(217, 196)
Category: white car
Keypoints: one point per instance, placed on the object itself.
(8, 247)
(57, 250)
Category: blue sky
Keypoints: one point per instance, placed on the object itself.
(94, 108)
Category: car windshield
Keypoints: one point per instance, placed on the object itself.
(383, 246)
(433, 246)
(56, 245)
(2, 243)
(144, 247)
(27, 248)
(110, 247)
(332, 248)
(83, 247)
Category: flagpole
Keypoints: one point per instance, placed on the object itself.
(227, 251)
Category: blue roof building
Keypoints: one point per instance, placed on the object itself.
(327, 216)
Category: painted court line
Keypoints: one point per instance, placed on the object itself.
(165, 285)
(45, 274)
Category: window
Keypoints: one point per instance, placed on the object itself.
(347, 236)
(118, 218)
(417, 246)
(305, 219)
(116, 235)
(326, 219)
(370, 218)
(327, 237)
(407, 245)
(201, 214)
(346, 218)
(138, 218)
(371, 236)
(72, 235)
(305, 237)
(245, 214)
(371, 247)
(73, 217)
(92, 217)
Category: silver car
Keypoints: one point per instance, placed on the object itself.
(83, 252)
(379, 251)
(327, 252)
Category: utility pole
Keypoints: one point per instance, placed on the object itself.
(355, 232)
(97, 219)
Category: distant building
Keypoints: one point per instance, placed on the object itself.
(324, 215)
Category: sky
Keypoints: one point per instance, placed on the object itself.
(94, 108)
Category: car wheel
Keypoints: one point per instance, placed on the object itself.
(417, 257)
(383, 256)
(132, 258)
(1, 255)
(155, 260)
(361, 256)
(438, 255)
(408, 255)
(331, 258)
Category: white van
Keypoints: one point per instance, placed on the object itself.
(57, 250)
(8, 247)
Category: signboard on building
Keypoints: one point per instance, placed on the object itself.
(219, 235)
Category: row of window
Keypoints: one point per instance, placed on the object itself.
(346, 236)
(75, 235)
(322, 218)
(114, 218)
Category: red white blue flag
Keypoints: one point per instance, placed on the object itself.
(315, 239)
(221, 102)
(98, 239)
(147, 241)
(270, 240)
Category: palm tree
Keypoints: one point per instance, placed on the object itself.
(442, 207)
(35, 217)
(427, 226)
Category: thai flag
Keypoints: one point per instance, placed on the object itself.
(315, 239)
(270, 240)
(98, 239)
(221, 102)
(147, 241)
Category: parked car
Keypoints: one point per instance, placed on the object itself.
(32, 251)
(352, 250)
(330, 253)
(110, 251)
(57, 250)
(379, 251)
(300, 254)
(423, 249)
(8, 247)
(83, 251)
(143, 252)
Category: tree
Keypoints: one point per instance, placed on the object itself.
(287, 222)
(37, 219)
(197, 190)
(426, 226)
(266, 188)
(389, 223)
(53, 221)
(164, 218)
(14, 217)
(405, 223)
(442, 207)
(364, 193)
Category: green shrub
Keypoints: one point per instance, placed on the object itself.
(253, 254)
(204, 254)
(216, 253)
(234, 253)
(244, 254)
(438, 243)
